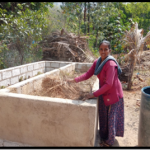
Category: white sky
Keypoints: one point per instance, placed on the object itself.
(57, 3)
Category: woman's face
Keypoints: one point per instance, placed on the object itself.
(104, 51)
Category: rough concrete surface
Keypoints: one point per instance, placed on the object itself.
(44, 121)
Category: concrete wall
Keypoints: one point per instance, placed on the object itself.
(28, 86)
(46, 121)
(6, 143)
(82, 67)
(79, 67)
(51, 65)
(12, 75)
(43, 121)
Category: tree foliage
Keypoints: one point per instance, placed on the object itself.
(99, 20)
(13, 7)
(106, 20)
(139, 12)
(20, 34)
(57, 19)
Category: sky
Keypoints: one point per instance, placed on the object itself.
(57, 3)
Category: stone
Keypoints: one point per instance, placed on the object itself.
(47, 64)
(14, 80)
(54, 65)
(36, 66)
(5, 82)
(30, 67)
(15, 72)
(23, 69)
(6, 74)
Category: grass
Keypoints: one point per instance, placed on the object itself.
(2, 87)
(21, 79)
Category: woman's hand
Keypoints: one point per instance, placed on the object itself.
(71, 80)
(88, 96)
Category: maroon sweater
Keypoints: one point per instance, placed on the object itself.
(108, 78)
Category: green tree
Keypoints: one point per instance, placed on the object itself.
(74, 14)
(58, 20)
(139, 12)
(99, 20)
(21, 35)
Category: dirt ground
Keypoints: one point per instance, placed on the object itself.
(131, 111)
(132, 100)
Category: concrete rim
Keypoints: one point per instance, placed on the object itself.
(144, 88)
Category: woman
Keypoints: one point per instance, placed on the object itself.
(110, 93)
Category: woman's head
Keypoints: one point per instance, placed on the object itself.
(104, 49)
(106, 42)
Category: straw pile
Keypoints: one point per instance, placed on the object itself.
(58, 87)
(55, 87)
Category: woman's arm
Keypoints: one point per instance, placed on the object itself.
(86, 75)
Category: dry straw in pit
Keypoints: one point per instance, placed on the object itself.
(58, 87)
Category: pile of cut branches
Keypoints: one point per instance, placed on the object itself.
(64, 46)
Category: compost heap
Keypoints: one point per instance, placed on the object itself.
(56, 86)
(64, 46)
